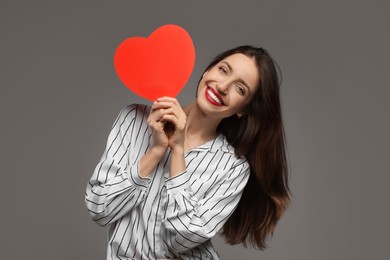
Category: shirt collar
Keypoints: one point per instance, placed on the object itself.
(218, 144)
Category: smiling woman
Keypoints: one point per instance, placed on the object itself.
(170, 177)
(224, 85)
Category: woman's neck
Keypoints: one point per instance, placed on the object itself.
(199, 126)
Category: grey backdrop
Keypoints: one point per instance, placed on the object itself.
(60, 96)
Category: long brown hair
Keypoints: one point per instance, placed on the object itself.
(259, 136)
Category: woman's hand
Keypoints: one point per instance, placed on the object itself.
(160, 139)
(174, 120)
(153, 156)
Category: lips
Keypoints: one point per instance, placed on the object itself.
(213, 97)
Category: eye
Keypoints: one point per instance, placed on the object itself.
(223, 70)
(241, 90)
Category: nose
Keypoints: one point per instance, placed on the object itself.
(222, 88)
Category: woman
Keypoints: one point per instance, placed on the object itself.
(170, 177)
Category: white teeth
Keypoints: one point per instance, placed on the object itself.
(214, 97)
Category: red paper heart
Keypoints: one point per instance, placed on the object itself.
(157, 66)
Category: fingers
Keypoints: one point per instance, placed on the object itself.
(169, 99)
(159, 136)
(158, 114)
(166, 102)
(168, 106)
(170, 118)
(154, 119)
(168, 112)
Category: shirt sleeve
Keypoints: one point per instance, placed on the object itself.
(116, 186)
(193, 221)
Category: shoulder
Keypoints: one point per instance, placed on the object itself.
(139, 109)
(134, 111)
(130, 114)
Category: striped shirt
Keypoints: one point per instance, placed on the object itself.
(161, 217)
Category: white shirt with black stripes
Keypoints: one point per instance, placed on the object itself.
(162, 217)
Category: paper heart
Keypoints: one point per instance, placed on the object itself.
(156, 66)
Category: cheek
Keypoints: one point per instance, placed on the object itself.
(199, 88)
(240, 101)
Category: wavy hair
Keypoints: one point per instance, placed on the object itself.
(259, 136)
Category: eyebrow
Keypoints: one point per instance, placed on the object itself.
(241, 80)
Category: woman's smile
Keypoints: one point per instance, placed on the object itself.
(213, 97)
(227, 87)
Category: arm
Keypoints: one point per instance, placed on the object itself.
(191, 221)
(116, 185)
(171, 112)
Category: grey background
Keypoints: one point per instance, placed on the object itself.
(60, 96)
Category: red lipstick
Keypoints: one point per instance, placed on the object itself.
(213, 97)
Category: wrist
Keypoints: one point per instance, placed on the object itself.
(158, 151)
(178, 150)
(177, 162)
(150, 160)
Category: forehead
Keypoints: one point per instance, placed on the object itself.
(244, 68)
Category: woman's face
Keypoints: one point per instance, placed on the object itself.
(226, 88)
